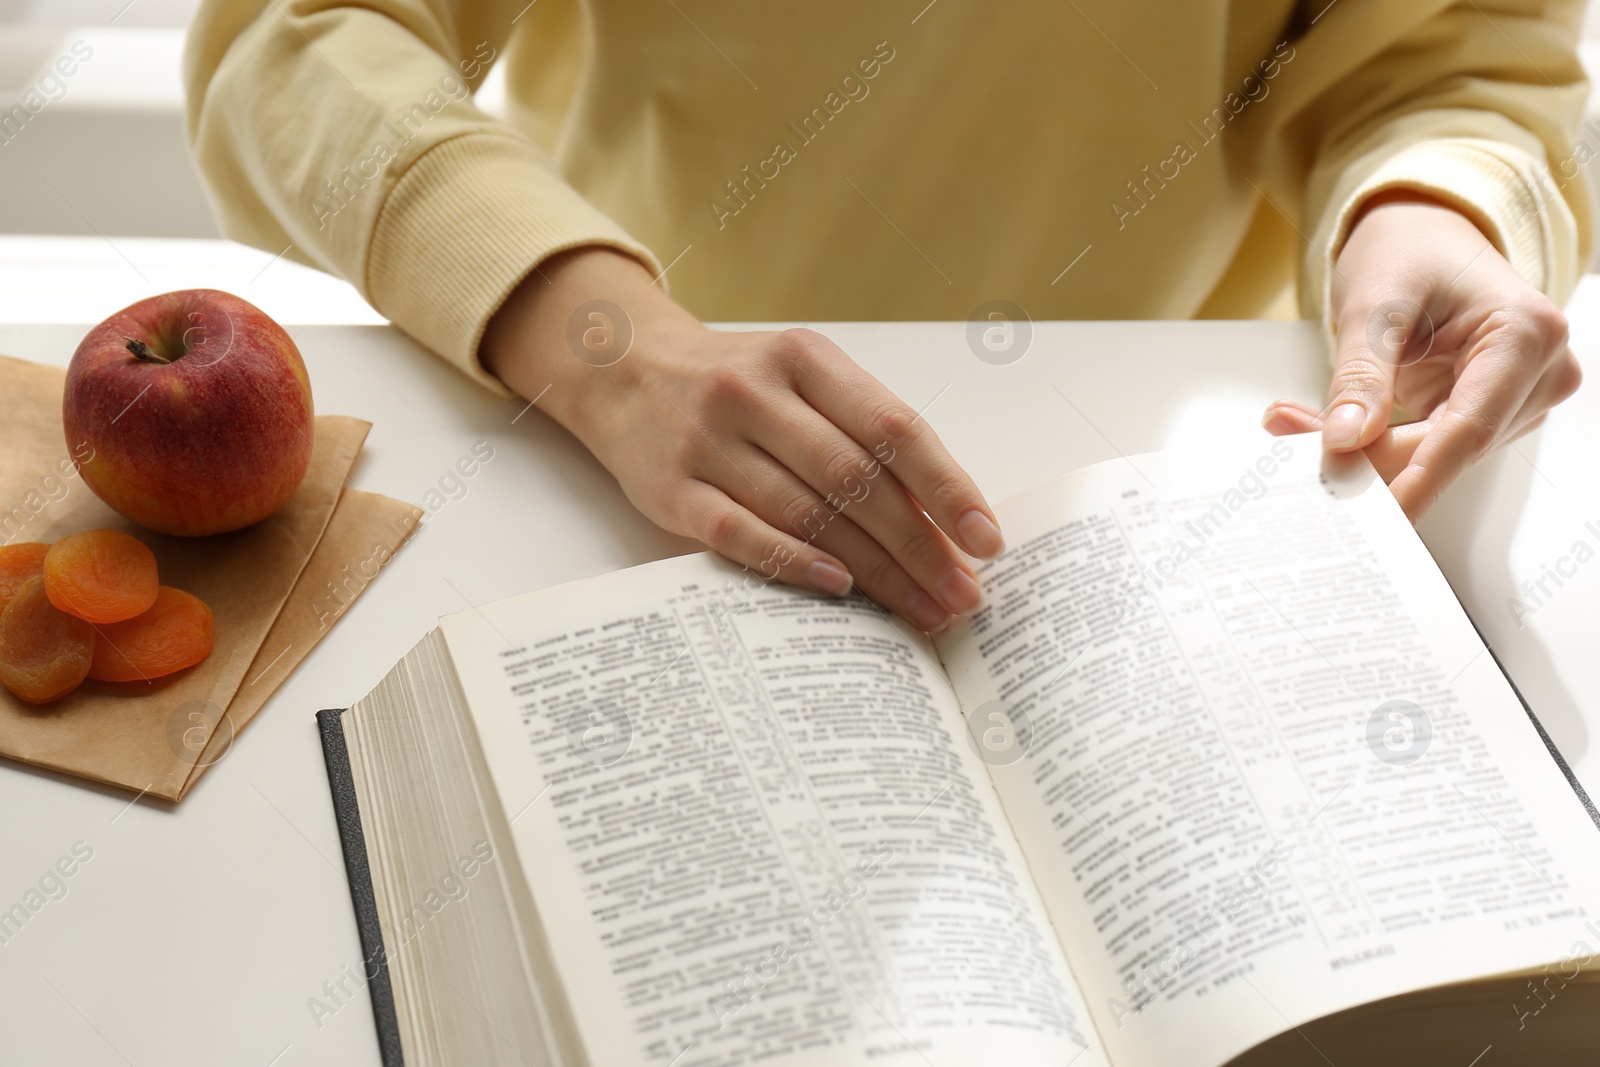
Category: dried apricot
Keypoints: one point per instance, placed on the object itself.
(44, 652)
(18, 563)
(101, 575)
(176, 632)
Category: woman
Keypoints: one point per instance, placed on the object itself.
(836, 161)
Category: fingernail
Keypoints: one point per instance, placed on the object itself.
(959, 589)
(979, 534)
(1343, 426)
(829, 577)
(926, 612)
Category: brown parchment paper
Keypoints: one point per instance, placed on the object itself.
(156, 736)
(364, 533)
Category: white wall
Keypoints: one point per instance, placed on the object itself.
(107, 152)
(170, 13)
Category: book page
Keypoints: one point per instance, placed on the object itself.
(1265, 770)
(755, 831)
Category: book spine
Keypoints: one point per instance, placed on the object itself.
(375, 958)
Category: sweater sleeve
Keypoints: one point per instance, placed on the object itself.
(1468, 102)
(348, 133)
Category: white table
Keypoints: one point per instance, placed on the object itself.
(197, 933)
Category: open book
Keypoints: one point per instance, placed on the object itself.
(1220, 773)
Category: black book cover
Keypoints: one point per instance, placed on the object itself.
(354, 844)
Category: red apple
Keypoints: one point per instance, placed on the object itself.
(196, 410)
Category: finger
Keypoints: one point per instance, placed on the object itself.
(897, 436)
(850, 479)
(782, 501)
(732, 530)
(1371, 338)
(1394, 448)
(1558, 382)
(882, 578)
(1532, 425)
(1480, 414)
(1285, 417)
(1391, 453)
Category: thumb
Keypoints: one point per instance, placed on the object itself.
(1361, 397)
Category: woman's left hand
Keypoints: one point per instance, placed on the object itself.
(1432, 325)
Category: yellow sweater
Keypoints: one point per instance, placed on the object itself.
(847, 159)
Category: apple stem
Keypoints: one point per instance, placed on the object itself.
(142, 352)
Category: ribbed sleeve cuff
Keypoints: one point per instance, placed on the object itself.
(465, 224)
(1496, 185)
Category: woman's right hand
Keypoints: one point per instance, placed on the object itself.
(774, 449)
